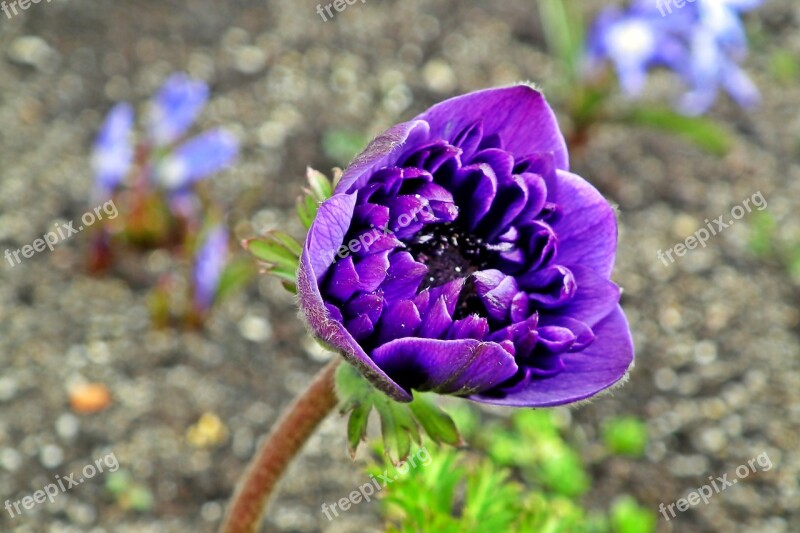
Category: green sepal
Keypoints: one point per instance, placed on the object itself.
(307, 208)
(400, 422)
(319, 185)
(319, 189)
(436, 423)
(278, 254)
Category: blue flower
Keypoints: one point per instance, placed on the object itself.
(635, 42)
(209, 265)
(172, 112)
(175, 107)
(710, 69)
(197, 158)
(703, 42)
(113, 150)
(722, 19)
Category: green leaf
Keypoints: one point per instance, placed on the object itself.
(343, 145)
(535, 423)
(628, 517)
(793, 263)
(563, 30)
(784, 66)
(118, 482)
(139, 498)
(625, 435)
(702, 132)
(235, 276)
(491, 501)
(762, 234)
(561, 470)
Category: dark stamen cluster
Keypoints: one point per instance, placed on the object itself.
(450, 252)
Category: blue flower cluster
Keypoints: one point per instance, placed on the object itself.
(702, 41)
(172, 167)
(163, 162)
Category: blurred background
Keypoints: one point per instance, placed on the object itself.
(85, 370)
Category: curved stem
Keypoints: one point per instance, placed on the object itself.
(285, 440)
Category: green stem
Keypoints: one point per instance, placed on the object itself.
(285, 440)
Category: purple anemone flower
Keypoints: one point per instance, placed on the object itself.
(209, 265)
(459, 255)
(112, 155)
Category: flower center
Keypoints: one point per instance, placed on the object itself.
(449, 252)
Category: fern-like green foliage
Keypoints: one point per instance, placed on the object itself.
(522, 476)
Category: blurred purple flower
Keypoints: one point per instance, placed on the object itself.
(197, 158)
(459, 255)
(710, 69)
(702, 42)
(175, 107)
(634, 41)
(210, 263)
(172, 112)
(722, 18)
(113, 151)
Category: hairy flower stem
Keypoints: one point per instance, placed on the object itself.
(288, 435)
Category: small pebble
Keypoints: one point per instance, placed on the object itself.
(255, 328)
(51, 456)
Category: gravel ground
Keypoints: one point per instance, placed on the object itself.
(717, 373)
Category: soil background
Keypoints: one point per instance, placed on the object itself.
(716, 377)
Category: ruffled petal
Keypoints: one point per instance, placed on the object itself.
(519, 115)
(383, 151)
(587, 229)
(585, 373)
(326, 235)
(458, 367)
(330, 330)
